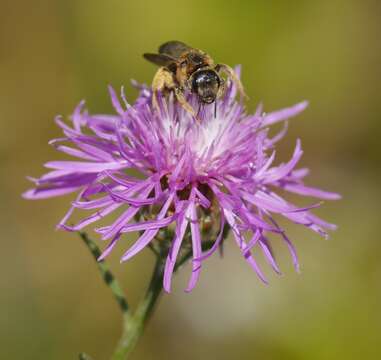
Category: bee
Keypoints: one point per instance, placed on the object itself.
(183, 68)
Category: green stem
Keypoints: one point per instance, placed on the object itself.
(108, 277)
(133, 327)
(134, 324)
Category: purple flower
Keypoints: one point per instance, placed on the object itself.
(194, 176)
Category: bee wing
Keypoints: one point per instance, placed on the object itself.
(159, 59)
(174, 48)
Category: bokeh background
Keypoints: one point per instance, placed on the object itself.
(55, 53)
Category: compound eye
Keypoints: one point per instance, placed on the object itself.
(195, 82)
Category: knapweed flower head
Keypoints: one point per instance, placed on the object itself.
(197, 178)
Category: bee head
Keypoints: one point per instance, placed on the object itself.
(205, 83)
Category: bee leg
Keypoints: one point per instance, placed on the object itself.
(231, 74)
(163, 80)
(221, 89)
(184, 103)
(155, 103)
(220, 94)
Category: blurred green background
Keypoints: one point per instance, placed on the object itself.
(54, 53)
